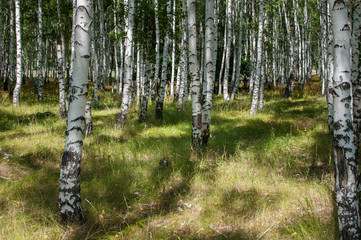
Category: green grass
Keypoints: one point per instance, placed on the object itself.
(269, 171)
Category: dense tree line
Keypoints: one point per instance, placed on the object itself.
(186, 49)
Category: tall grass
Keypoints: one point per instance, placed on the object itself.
(269, 173)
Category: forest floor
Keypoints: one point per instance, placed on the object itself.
(269, 174)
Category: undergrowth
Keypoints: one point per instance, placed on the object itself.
(269, 174)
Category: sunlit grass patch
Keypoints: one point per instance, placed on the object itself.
(269, 171)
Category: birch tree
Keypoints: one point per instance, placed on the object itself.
(69, 187)
(157, 53)
(128, 64)
(194, 73)
(256, 88)
(228, 51)
(355, 71)
(209, 73)
(19, 55)
(344, 147)
(173, 51)
(39, 65)
(239, 55)
(60, 53)
(183, 60)
(163, 81)
(11, 68)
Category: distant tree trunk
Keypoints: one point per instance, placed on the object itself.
(95, 65)
(183, 60)
(12, 50)
(259, 61)
(128, 65)
(157, 54)
(116, 46)
(39, 65)
(239, 55)
(297, 40)
(163, 81)
(62, 95)
(173, 51)
(69, 188)
(208, 84)
(19, 55)
(103, 57)
(330, 70)
(194, 73)
(228, 50)
(291, 72)
(344, 148)
(138, 76)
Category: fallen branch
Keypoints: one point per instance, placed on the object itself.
(6, 178)
(265, 232)
(218, 231)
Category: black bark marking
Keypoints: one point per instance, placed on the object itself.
(81, 118)
(338, 5)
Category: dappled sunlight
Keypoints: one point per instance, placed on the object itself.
(272, 169)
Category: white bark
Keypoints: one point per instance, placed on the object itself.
(194, 73)
(256, 88)
(62, 95)
(344, 146)
(19, 55)
(183, 61)
(228, 50)
(60, 53)
(39, 65)
(157, 54)
(239, 55)
(173, 51)
(355, 71)
(208, 84)
(69, 187)
(128, 65)
(163, 81)
(12, 40)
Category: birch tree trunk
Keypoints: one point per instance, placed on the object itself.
(163, 81)
(297, 40)
(330, 70)
(228, 51)
(147, 77)
(12, 50)
(183, 60)
(208, 83)
(157, 54)
(259, 61)
(116, 46)
(344, 147)
(128, 65)
(69, 188)
(60, 51)
(173, 51)
(355, 71)
(19, 55)
(194, 73)
(291, 72)
(62, 95)
(239, 55)
(103, 51)
(39, 65)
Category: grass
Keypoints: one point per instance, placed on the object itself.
(272, 171)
